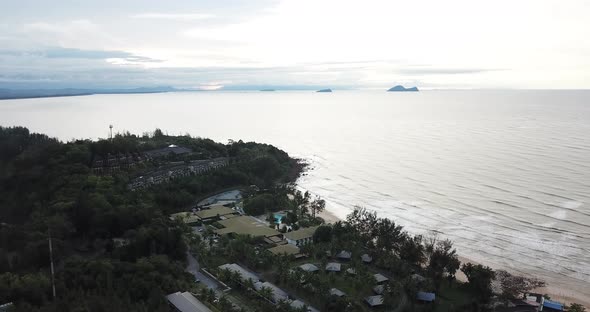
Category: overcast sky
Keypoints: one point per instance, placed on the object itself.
(338, 44)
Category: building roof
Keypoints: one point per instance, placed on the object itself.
(171, 149)
(344, 254)
(245, 274)
(337, 292)
(214, 211)
(380, 278)
(418, 278)
(379, 289)
(286, 249)
(366, 258)
(246, 225)
(552, 305)
(302, 233)
(374, 300)
(185, 302)
(351, 271)
(333, 267)
(425, 296)
(186, 217)
(298, 304)
(277, 293)
(308, 267)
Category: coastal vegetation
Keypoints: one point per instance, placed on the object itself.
(113, 249)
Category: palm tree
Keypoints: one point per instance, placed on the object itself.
(266, 292)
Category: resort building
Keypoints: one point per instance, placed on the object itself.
(344, 255)
(374, 301)
(380, 278)
(244, 274)
(308, 267)
(300, 237)
(379, 289)
(425, 296)
(337, 292)
(333, 267)
(366, 258)
(189, 218)
(285, 249)
(186, 302)
(246, 225)
(215, 213)
(298, 304)
(167, 151)
(277, 293)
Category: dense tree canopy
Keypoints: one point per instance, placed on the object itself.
(114, 249)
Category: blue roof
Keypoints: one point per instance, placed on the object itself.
(425, 296)
(553, 305)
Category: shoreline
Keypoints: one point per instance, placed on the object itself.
(560, 294)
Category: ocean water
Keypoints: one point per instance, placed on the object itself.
(504, 174)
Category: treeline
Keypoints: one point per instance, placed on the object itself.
(405, 256)
(113, 249)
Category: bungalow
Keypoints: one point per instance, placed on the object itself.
(379, 289)
(300, 237)
(380, 278)
(374, 301)
(336, 292)
(333, 267)
(344, 255)
(366, 258)
(351, 271)
(308, 267)
(418, 278)
(186, 302)
(425, 296)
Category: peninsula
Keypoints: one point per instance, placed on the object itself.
(324, 90)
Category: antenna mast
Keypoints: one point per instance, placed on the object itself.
(51, 260)
(111, 132)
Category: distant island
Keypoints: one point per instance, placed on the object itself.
(400, 88)
(324, 90)
(267, 90)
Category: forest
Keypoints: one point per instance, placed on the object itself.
(113, 249)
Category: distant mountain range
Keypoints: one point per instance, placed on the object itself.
(402, 89)
(324, 90)
(37, 93)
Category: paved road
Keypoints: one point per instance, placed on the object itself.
(193, 268)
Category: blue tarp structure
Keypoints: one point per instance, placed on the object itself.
(425, 296)
(552, 305)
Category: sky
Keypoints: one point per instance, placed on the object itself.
(235, 44)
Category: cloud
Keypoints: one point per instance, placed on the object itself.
(174, 16)
(71, 53)
(443, 71)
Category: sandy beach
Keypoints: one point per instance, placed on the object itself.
(560, 294)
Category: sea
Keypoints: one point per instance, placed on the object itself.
(505, 174)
